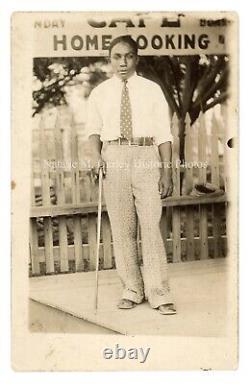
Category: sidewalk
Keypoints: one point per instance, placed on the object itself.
(199, 289)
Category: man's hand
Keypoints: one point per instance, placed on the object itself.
(96, 163)
(165, 185)
(96, 159)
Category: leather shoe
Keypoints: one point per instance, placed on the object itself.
(126, 304)
(167, 309)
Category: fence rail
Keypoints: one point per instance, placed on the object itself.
(64, 208)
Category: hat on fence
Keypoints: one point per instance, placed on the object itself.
(206, 189)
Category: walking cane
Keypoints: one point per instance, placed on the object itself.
(99, 216)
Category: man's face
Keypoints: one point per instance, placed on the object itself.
(123, 60)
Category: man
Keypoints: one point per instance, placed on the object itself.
(130, 137)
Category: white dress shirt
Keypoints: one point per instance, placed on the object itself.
(150, 112)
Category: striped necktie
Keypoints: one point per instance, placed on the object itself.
(126, 114)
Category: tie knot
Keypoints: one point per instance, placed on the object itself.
(125, 82)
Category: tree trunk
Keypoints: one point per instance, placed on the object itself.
(182, 138)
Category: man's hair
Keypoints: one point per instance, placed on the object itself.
(127, 39)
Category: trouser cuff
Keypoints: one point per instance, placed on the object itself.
(160, 298)
(134, 296)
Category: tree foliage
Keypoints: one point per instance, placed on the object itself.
(52, 75)
(191, 84)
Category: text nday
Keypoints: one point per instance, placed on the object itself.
(138, 22)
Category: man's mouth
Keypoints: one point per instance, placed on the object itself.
(123, 71)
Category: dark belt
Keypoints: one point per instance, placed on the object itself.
(136, 141)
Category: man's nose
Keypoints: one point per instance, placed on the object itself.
(123, 62)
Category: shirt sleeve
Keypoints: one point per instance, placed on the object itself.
(94, 120)
(162, 118)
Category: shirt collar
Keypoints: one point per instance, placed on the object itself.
(130, 80)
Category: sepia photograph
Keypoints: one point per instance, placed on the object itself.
(128, 197)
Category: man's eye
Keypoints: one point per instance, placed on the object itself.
(131, 56)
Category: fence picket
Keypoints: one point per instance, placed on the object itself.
(60, 191)
(85, 255)
(92, 232)
(48, 245)
(106, 238)
(45, 191)
(78, 250)
(202, 142)
(34, 254)
(216, 231)
(63, 244)
(175, 155)
(216, 181)
(189, 157)
(43, 158)
(176, 220)
(32, 189)
(75, 179)
(168, 222)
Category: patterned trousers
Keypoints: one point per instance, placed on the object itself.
(131, 191)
